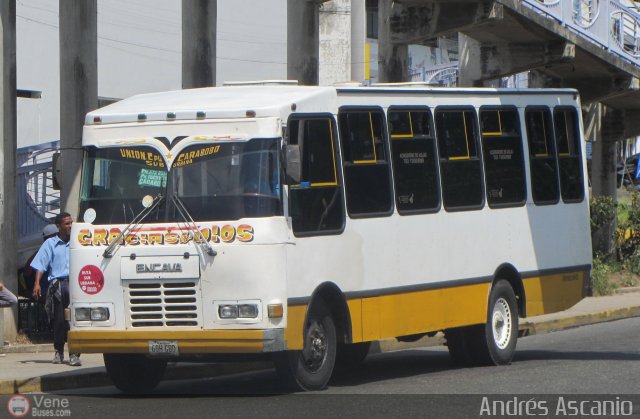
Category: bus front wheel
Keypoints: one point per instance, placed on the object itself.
(134, 373)
(311, 368)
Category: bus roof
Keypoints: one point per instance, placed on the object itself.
(267, 100)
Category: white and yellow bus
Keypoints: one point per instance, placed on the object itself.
(307, 222)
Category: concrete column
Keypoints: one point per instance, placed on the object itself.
(392, 57)
(303, 41)
(334, 25)
(199, 25)
(469, 64)
(606, 127)
(8, 145)
(78, 89)
(358, 39)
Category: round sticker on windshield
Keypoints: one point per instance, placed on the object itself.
(147, 201)
(89, 215)
(91, 279)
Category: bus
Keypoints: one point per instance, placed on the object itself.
(302, 223)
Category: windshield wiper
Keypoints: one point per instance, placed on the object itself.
(182, 209)
(137, 220)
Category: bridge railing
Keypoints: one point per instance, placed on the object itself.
(37, 202)
(607, 23)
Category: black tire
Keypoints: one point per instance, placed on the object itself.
(134, 373)
(351, 355)
(497, 342)
(458, 345)
(311, 368)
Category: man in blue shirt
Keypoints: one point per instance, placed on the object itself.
(53, 257)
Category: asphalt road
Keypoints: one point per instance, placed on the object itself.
(555, 370)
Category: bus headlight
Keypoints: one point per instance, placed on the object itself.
(228, 311)
(99, 314)
(83, 314)
(238, 311)
(95, 314)
(248, 311)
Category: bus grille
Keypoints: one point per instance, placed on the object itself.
(163, 303)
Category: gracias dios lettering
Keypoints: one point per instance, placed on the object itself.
(215, 234)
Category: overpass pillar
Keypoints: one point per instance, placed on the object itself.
(78, 89)
(469, 62)
(392, 57)
(358, 39)
(199, 24)
(605, 127)
(8, 145)
(303, 49)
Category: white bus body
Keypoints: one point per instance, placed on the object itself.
(379, 275)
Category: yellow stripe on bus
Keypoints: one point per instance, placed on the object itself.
(553, 293)
(409, 313)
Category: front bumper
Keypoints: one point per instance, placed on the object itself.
(189, 342)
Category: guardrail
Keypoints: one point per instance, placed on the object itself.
(607, 23)
(37, 202)
(445, 75)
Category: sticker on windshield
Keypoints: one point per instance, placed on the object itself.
(195, 154)
(150, 158)
(149, 177)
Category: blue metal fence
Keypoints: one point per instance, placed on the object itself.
(38, 202)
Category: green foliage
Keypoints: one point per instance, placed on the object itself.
(601, 283)
(610, 272)
(603, 211)
(632, 262)
(630, 281)
(628, 242)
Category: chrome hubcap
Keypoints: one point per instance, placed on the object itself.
(501, 323)
(315, 350)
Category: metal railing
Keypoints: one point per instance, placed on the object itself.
(38, 202)
(445, 75)
(607, 23)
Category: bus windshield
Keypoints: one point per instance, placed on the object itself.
(215, 182)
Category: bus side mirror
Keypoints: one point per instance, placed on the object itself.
(293, 168)
(56, 171)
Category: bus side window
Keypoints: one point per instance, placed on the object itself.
(367, 173)
(415, 161)
(460, 165)
(502, 156)
(542, 156)
(316, 204)
(569, 161)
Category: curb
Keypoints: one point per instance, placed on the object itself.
(29, 349)
(533, 328)
(627, 290)
(97, 376)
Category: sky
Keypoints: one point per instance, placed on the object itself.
(139, 51)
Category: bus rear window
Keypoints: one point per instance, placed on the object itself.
(569, 160)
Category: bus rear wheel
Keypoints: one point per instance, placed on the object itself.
(311, 368)
(134, 373)
(493, 343)
(497, 343)
(458, 341)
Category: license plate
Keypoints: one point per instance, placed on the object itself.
(163, 347)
